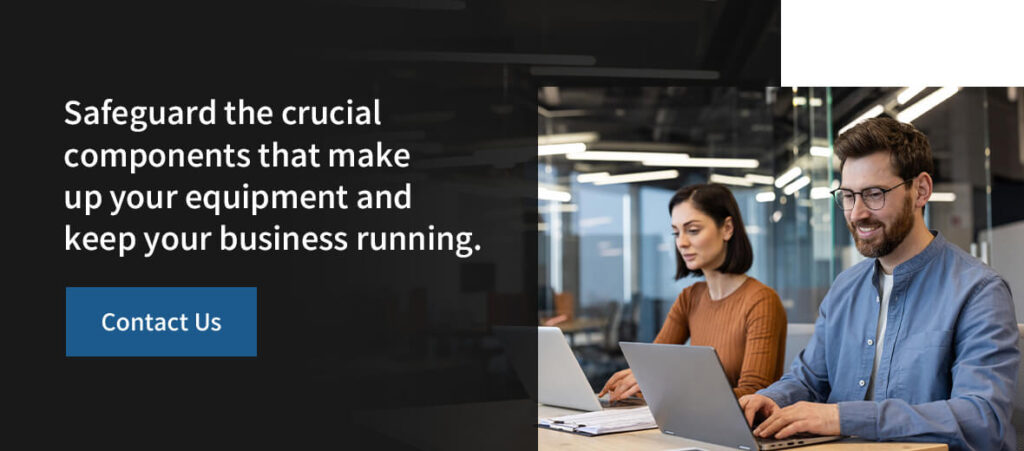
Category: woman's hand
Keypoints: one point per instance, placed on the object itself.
(621, 386)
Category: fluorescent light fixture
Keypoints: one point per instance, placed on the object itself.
(788, 176)
(795, 186)
(818, 151)
(591, 177)
(587, 223)
(821, 192)
(874, 111)
(743, 163)
(559, 149)
(638, 177)
(761, 179)
(942, 197)
(924, 105)
(552, 195)
(559, 207)
(730, 180)
(908, 93)
(767, 196)
(566, 138)
(599, 155)
(664, 159)
(642, 146)
(801, 101)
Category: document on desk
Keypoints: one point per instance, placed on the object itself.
(602, 422)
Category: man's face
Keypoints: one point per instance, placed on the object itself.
(878, 232)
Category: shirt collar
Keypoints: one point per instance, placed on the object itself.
(917, 262)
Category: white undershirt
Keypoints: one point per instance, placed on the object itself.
(883, 316)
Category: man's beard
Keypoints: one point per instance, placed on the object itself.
(890, 238)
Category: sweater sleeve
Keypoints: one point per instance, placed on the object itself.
(765, 344)
(676, 329)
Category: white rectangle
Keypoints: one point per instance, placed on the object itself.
(901, 43)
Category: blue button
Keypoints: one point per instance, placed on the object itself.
(160, 321)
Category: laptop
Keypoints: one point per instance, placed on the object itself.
(689, 396)
(560, 380)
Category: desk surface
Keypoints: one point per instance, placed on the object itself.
(582, 325)
(653, 439)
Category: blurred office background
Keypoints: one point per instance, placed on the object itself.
(611, 158)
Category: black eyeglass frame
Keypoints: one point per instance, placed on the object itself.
(839, 201)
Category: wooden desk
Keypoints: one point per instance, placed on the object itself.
(653, 439)
(585, 324)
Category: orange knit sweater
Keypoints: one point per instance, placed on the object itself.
(747, 328)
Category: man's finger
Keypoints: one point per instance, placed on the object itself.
(784, 421)
(749, 410)
(765, 423)
(773, 424)
(793, 428)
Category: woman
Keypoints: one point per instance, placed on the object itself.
(740, 317)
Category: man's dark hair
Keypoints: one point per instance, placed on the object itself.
(717, 202)
(908, 148)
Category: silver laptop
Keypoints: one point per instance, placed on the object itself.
(689, 396)
(560, 380)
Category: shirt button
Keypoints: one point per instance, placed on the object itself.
(860, 382)
(878, 299)
(870, 342)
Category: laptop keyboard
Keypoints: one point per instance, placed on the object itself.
(628, 402)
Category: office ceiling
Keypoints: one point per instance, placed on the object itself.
(702, 121)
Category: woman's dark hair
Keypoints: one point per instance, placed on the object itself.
(717, 202)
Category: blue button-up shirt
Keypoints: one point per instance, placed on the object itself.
(949, 359)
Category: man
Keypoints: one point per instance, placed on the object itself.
(916, 343)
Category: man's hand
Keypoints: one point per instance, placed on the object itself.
(814, 418)
(621, 386)
(755, 405)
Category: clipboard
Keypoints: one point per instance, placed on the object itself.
(602, 422)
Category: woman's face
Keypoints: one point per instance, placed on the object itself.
(698, 239)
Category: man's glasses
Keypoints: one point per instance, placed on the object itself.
(873, 198)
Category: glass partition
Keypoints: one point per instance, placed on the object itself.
(607, 256)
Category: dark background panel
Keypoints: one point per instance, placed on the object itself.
(347, 341)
